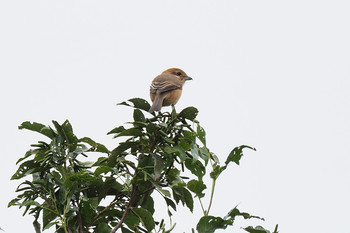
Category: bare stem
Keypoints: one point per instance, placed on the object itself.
(211, 196)
(200, 201)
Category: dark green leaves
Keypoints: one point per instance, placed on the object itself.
(183, 195)
(95, 146)
(235, 212)
(135, 132)
(197, 187)
(209, 224)
(58, 177)
(189, 113)
(25, 169)
(103, 228)
(116, 130)
(138, 116)
(259, 229)
(37, 127)
(137, 103)
(201, 134)
(236, 154)
(165, 154)
(145, 217)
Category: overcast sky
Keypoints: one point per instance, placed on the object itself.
(274, 75)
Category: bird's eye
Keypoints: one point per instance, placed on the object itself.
(178, 73)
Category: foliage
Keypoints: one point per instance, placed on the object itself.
(116, 191)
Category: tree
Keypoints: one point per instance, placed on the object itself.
(116, 191)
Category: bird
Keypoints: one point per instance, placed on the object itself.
(166, 88)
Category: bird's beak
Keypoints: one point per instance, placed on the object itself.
(187, 78)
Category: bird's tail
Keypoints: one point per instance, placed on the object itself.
(157, 104)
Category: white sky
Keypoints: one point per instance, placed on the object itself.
(270, 74)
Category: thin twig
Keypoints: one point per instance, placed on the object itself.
(211, 196)
(200, 201)
(128, 207)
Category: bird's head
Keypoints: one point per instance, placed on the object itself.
(178, 73)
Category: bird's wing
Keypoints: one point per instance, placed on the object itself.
(164, 83)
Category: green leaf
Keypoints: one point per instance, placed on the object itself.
(214, 157)
(88, 210)
(138, 116)
(59, 229)
(136, 132)
(204, 154)
(194, 152)
(116, 130)
(208, 224)
(59, 129)
(102, 228)
(148, 204)
(37, 127)
(197, 187)
(196, 168)
(48, 226)
(112, 160)
(97, 146)
(30, 203)
(131, 220)
(217, 170)
(177, 150)
(236, 154)
(13, 202)
(101, 148)
(170, 202)
(26, 168)
(189, 113)
(37, 227)
(181, 193)
(137, 103)
(232, 214)
(165, 192)
(103, 169)
(151, 128)
(201, 134)
(258, 229)
(145, 217)
(88, 141)
(27, 154)
(158, 166)
(165, 137)
(188, 199)
(125, 230)
(48, 217)
(70, 137)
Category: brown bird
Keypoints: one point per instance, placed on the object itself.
(166, 88)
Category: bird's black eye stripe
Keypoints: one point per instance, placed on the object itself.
(178, 73)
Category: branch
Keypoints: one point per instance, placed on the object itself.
(128, 207)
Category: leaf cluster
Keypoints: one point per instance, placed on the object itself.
(116, 191)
